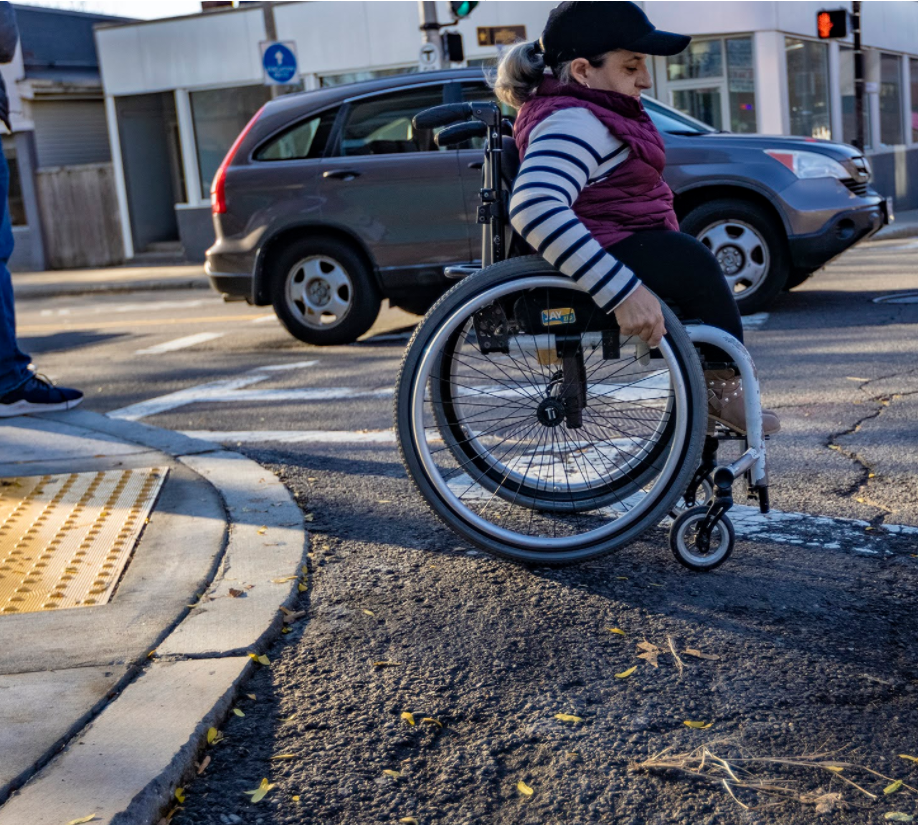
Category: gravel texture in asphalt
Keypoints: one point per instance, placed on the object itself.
(813, 652)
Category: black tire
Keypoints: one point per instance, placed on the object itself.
(796, 277)
(424, 353)
(749, 245)
(687, 554)
(342, 302)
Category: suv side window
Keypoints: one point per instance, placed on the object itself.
(302, 141)
(382, 125)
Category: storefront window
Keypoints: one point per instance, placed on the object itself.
(913, 71)
(741, 84)
(219, 116)
(846, 84)
(890, 100)
(17, 208)
(702, 59)
(703, 104)
(808, 87)
(357, 77)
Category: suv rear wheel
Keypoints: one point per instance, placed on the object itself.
(323, 292)
(748, 246)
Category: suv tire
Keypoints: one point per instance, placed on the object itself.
(749, 246)
(323, 292)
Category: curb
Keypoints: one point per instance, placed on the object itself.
(26, 292)
(143, 742)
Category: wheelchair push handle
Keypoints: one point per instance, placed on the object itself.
(460, 132)
(442, 115)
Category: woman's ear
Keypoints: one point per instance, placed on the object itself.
(579, 66)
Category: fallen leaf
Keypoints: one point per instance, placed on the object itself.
(259, 793)
(308, 517)
(369, 612)
(396, 775)
(150, 655)
(282, 756)
(290, 617)
(236, 594)
(691, 651)
(698, 725)
(289, 718)
(826, 803)
(651, 584)
(251, 696)
(910, 758)
(568, 717)
(262, 659)
(617, 630)
(408, 717)
(622, 578)
(408, 820)
(626, 673)
(302, 587)
(834, 768)
(898, 816)
(386, 664)
(238, 712)
(524, 789)
(213, 736)
(650, 654)
(180, 794)
(892, 787)
(262, 530)
(82, 820)
(284, 579)
(286, 630)
(433, 721)
(202, 766)
(295, 798)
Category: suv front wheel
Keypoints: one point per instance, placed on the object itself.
(323, 292)
(749, 247)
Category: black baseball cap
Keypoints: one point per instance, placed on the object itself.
(586, 29)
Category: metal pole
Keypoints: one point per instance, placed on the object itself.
(858, 74)
(430, 28)
(271, 37)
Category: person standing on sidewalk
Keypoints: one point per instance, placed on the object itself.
(21, 390)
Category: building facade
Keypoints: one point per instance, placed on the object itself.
(57, 111)
(178, 91)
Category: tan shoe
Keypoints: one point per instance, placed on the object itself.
(725, 403)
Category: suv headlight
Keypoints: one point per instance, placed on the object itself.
(809, 164)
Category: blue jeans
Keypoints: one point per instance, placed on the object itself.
(14, 363)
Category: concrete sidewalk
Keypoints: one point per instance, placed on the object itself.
(104, 708)
(28, 285)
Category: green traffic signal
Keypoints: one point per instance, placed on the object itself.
(463, 9)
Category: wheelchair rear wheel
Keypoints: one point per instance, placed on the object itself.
(534, 429)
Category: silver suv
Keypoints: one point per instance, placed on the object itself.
(329, 201)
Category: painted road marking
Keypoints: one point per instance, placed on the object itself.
(153, 306)
(264, 318)
(138, 322)
(756, 321)
(296, 436)
(180, 343)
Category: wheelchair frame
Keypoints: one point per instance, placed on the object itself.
(463, 121)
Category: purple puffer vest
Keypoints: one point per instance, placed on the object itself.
(634, 197)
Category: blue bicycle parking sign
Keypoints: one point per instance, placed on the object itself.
(279, 61)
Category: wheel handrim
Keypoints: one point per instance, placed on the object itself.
(319, 292)
(742, 253)
(472, 510)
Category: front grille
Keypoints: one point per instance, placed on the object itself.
(859, 189)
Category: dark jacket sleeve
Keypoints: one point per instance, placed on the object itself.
(9, 33)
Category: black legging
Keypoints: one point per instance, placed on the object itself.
(681, 269)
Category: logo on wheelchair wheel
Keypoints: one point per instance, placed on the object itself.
(554, 317)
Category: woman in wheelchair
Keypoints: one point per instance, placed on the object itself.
(589, 195)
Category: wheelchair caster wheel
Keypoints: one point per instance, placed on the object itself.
(704, 494)
(695, 550)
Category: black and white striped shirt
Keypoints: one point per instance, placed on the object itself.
(568, 151)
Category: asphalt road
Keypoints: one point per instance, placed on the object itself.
(812, 621)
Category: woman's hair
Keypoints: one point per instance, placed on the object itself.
(521, 69)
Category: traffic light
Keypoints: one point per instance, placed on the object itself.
(463, 9)
(452, 47)
(832, 24)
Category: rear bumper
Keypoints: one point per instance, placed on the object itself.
(841, 232)
(231, 274)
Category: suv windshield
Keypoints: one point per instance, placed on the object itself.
(674, 122)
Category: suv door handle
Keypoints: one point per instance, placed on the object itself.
(476, 164)
(341, 174)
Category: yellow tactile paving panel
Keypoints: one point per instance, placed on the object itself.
(65, 539)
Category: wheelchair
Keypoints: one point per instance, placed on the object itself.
(535, 429)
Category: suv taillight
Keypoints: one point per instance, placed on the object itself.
(218, 187)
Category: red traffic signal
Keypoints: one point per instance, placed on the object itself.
(832, 24)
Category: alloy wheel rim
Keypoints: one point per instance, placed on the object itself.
(741, 252)
(319, 292)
